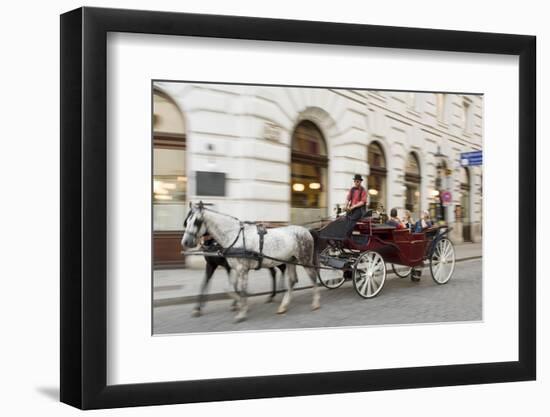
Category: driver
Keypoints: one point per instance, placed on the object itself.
(356, 202)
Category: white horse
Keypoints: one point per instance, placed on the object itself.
(286, 244)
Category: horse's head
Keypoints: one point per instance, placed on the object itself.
(194, 226)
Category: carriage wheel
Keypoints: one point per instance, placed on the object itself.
(331, 278)
(442, 261)
(401, 271)
(369, 274)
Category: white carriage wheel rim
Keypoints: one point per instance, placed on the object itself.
(443, 261)
(370, 278)
(326, 282)
(400, 274)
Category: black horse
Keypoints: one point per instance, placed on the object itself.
(213, 262)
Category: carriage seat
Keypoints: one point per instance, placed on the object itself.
(384, 226)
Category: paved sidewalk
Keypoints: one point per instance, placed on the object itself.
(175, 286)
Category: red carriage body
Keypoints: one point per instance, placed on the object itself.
(363, 254)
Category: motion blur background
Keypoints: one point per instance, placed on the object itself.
(284, 155)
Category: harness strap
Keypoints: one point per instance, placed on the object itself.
(241, 229)
(261, 232)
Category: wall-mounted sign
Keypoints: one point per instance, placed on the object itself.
(210, 183)
(446, 198)
(471, 158)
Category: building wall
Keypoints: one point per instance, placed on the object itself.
(246, 132)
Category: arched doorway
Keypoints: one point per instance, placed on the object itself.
(377, 177)
(309, 163)
(465, 201)
(169, 179)
(412, 185)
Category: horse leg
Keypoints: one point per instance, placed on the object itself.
(282, 267)
(234, 281)
(273, 273)
(243, 307)
(210, 269)
(312, 273)
(291, 279)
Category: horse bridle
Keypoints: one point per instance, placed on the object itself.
(198, 224)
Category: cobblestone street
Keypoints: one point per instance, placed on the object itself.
(400, 302)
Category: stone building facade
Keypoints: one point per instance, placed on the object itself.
(288, 154)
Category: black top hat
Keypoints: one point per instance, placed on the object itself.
(357, 177)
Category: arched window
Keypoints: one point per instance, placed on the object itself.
(412, 185)
(377, 178)
(169, 174)
(308, 174)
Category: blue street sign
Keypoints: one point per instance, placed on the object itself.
(471, 158)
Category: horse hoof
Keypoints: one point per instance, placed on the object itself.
(234, 307)
(196, 313)
(315, 307)
(281, 310)
(239, 318)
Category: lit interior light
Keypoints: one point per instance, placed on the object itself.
(298, 187)
(169, 186)
(372, 191)
(163, 197)
(157, 185)
(417, 193)
(435, 193)
(315, 186)
(181, 179)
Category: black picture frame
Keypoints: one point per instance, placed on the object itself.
(84, 207)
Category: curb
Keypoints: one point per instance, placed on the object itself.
(187, 299)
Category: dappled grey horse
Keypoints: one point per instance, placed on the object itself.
(214, 261)
(281, 245)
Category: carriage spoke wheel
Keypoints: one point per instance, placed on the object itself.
(401, 271)
(331, 278)
(369, 274)
(442, 261)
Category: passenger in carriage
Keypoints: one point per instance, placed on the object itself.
(423, 223)
(394, 220)
(408, 221)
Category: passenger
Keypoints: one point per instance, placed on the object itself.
(423, 223)
(394, 220)
(408, 221)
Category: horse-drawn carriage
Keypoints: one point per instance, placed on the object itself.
(363, 255)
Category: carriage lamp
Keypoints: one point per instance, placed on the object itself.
(438, 154)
